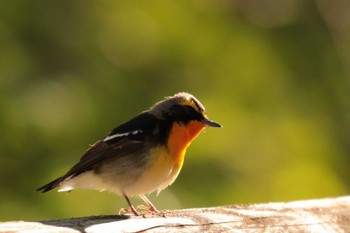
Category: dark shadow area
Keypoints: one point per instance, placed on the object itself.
(82, 223)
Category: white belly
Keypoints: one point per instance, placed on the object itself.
(157, 175)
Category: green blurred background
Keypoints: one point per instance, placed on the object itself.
(274, 73)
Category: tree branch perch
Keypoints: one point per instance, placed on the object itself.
(323, 215)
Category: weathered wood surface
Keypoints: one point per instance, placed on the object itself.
(324, 215)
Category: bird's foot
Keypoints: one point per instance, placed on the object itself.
(151, 211)
(126, 211)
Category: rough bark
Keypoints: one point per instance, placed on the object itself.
(324, 215)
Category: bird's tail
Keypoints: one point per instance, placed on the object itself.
(47, 187)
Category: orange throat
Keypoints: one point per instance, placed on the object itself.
(180, 138)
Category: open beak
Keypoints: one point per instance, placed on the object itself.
(211, 123)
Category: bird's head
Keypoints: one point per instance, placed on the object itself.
(182, 108)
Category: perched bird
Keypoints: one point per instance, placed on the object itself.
(142, 155)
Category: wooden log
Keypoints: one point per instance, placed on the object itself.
(323, 215)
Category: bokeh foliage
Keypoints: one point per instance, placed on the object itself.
(276, 74)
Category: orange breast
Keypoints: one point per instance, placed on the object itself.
(180, 138)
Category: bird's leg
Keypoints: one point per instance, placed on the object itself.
(132, 208)
(149, 203)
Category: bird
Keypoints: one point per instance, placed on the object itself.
(142, 155)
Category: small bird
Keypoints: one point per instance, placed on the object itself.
(142, 155)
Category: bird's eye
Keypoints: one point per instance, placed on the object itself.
(189, 109)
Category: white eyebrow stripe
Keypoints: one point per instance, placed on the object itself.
(121, 135)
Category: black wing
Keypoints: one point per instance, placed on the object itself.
(126, 139)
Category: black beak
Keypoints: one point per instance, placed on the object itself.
(211, 123)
